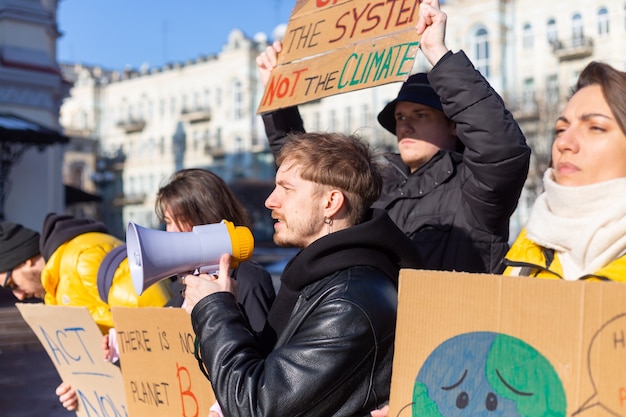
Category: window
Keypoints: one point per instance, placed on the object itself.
(239, 145)
(528, 95)
(207, 99)
(527, 36)
(131, 185)
(577, 29)
(183, 103)
(365, 115)
(347, 128)
(197, 139)
(480, 48)
(317, 121)
(238, 100)
(603, 21)
(196, 100)
(218, 138)
(82, 120)
(332, 120)
(552, 90)
(172, 105)
(552, 32)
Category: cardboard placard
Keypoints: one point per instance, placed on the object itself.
(73, 341)
(337, 46)
(468, 344)
(161, 374)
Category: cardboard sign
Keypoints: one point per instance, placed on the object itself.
(161, 374)
(469, 344)
(337, 46)
(74, 343)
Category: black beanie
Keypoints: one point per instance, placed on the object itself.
(17, 244)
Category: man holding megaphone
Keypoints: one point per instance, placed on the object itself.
(328, 345)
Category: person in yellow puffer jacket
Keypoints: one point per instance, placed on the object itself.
(73, 250)
(61, 267)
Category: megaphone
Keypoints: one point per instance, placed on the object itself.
(154, 255)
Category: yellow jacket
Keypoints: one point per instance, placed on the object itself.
(526, 258)
(70, 279)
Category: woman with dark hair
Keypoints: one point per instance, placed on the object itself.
(577, 227)
(195, 197)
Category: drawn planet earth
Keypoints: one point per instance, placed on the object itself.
(487, 374)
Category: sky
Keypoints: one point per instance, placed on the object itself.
(119, 33)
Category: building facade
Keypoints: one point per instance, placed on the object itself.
(532, 54)
(152, 122)
(202, 113)
(31, 88)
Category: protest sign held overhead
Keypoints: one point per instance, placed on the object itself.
(337, 46)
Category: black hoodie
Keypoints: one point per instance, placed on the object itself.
(376, 242)
(60, 228)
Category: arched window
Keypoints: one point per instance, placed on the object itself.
(577, 28)
(527, 36)
(552, 32)
(480, 49)
(603, 21)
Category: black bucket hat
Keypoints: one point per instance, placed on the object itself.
(416, 89)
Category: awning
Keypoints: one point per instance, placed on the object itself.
(75, 195)
(19, 130)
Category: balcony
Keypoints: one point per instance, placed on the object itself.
(132, 125)
(196, 115)
(129, 199)
(575, 48)
(525, 110)
(216, 151)
(75, 132)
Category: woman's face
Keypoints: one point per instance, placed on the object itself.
(172, 225)
(589, 147)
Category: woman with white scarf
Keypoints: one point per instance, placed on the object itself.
(577, 227)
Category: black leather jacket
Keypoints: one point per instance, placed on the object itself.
(456, 207)
(333, 356)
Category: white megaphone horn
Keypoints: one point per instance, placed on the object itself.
(154, 255)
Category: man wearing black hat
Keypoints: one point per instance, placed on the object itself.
(462, 160)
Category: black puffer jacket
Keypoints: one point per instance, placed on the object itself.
(456, 208)
(333, 354)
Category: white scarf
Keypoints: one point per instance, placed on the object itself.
(585, 225)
